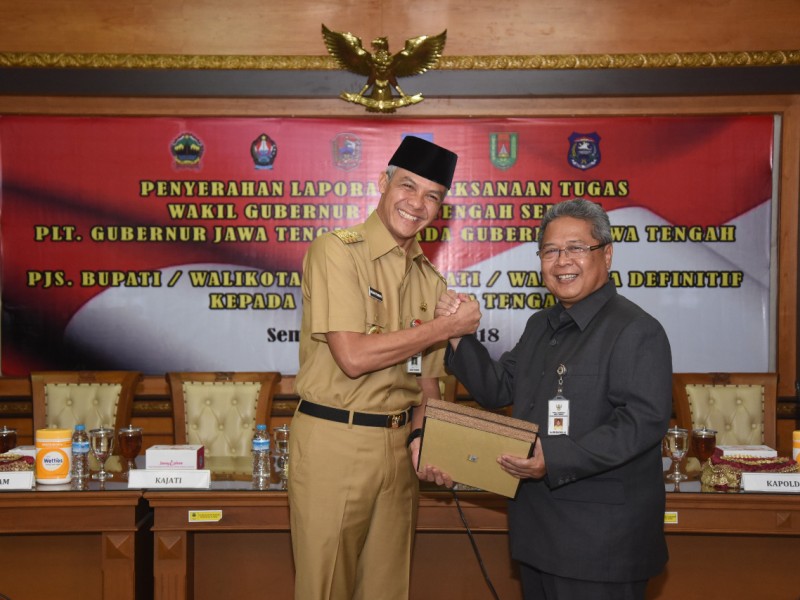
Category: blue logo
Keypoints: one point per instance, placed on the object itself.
(584, 150)
(428, 137)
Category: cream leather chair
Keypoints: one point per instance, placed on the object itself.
(64, 399)
(221, 410)
(741, 407)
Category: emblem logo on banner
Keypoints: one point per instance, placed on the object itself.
(187, 150)
(346, 151)
(428, 137)
(263, 150)
(584, 150)
(503, 150)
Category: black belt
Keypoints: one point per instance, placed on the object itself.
(359, 418)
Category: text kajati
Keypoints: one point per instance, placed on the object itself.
(169, 480)
(787, 484)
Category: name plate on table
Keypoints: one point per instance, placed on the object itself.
(16, 480)
(169, 479)
(771, 482)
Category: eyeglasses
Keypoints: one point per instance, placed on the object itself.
(577, 252)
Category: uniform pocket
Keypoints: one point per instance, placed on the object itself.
(376, 318)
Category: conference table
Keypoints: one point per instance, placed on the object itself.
(722, 545)
(75, 545)
(233, 541)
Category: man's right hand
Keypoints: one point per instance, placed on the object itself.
(462, 313)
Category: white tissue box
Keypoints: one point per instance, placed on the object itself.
(186, 456)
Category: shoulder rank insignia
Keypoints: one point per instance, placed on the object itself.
(348, 236)
(432, 266)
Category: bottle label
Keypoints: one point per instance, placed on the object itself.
(260, 445)
(80, 447)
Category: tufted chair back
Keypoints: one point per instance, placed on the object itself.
(741, 407)
(64, 399)
(221, 410)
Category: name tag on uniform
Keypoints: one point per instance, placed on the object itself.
(558, 416)
(414, 363)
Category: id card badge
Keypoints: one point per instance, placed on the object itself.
(558, 416)
(414, 363)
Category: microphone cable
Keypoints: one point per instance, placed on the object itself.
(475, 546)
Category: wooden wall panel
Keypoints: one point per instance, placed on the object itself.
(475, 27)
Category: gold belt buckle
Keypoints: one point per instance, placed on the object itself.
(394, 420)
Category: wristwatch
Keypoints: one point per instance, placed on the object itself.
(413, 435)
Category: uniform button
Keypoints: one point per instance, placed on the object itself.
(553, 342)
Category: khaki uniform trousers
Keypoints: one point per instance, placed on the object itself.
(353, 506)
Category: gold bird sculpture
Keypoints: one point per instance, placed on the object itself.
(382, 68)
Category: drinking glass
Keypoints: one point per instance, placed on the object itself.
(8, 439)
(280, 452)
(101, 442)
(676, 443)
(130, 443)
(704, 441)
(281, 435)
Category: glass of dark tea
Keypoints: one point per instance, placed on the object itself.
(8, 439)
(704, 441)
(130, 444)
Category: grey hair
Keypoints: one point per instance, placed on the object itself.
(578, 208)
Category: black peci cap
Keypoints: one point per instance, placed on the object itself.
(425, 159)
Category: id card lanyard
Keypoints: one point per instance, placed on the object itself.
(414, 363)
(558, 407)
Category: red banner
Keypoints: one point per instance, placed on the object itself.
(176, 244)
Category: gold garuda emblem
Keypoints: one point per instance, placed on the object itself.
(382, 68)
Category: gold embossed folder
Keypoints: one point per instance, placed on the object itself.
(465, 442)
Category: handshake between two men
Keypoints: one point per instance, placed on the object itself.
(463, 310)
(459, 315)
(463, 313)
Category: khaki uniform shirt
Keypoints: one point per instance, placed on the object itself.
(359, 280)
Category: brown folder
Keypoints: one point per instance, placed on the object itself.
(465, 443)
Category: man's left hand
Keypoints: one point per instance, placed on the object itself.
(525, 468)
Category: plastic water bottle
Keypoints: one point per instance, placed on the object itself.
(80, 455)
(261, 458)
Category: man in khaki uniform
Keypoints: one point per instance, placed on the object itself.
(370, 351)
